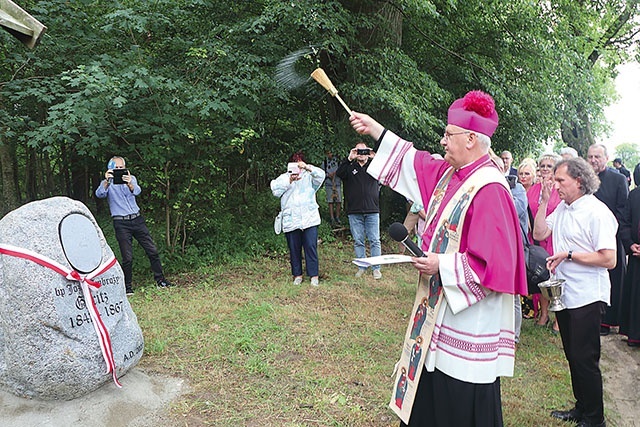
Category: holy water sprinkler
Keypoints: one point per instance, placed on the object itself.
(321, 77)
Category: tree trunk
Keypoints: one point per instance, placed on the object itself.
(9, 198)
(79, 188)
(389, 32)
(46, 176)
(167, 208)
(31, 174)
(578, 136)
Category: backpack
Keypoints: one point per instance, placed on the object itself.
(535, 258)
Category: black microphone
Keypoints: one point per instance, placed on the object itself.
(398, 232)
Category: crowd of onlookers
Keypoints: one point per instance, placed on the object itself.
(624, 310)
(483, 216)
(347, 178)
(300, 215)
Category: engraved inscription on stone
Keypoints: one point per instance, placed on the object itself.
(72, 308)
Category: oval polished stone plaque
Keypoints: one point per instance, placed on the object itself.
(80, 243)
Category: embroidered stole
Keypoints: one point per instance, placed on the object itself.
(428, 298)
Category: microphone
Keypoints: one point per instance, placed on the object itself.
(398, 232)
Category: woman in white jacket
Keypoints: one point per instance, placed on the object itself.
(300, 215)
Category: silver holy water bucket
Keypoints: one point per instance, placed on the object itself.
(552, 290)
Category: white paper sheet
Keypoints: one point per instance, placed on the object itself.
(380, 260)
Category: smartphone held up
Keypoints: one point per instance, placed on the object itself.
(293, 169)
(118, 174)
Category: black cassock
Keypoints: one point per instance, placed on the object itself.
(630, 306)
(614, 192)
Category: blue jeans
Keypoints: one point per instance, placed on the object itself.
(366, 225)
(307, 239)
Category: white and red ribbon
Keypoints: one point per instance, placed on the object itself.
(85, 281)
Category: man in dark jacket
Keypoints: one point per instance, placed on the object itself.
(613, 192)
(617, 163)
(362, 193)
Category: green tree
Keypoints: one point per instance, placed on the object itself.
(600, 36)
(185, 90)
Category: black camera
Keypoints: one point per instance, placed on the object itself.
(118, 174)
(512, 179)
(363, 151)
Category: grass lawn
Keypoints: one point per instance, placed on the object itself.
(259, 351)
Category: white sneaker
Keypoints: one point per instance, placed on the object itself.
(314, 281)
(360, 272)
(297, 280)
(377, 274)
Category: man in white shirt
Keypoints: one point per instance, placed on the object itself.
(584, 246)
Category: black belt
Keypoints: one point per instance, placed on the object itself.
(132, 216)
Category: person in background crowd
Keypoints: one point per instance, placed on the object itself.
(613, 192)
(297, 189)
(545, 165)
(519, 195)
(415, 212)
(333, 187)
(414, 221)
(630, 236)
(507, 160)
(474, 275)
(568, 153)
(128, 222)
(363, 195)
(527, 173)
(617, 163)
(584, 247)
(527, 177)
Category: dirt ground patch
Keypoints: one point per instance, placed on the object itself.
(621, 373)
(143, 401)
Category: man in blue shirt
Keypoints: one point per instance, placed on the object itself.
(128, 222)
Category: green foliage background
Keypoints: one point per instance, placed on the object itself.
(185, 91)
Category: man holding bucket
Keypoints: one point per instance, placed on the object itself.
(584, 247)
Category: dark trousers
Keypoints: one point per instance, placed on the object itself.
(443, 401)
(580, 332)
(136, 228)
(306, 239)
(616, 277)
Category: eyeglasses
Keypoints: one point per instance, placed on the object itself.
(546, 166)
(448, 135)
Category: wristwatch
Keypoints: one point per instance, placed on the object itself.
(569, 254)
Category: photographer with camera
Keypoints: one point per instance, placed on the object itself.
(120, 188)
(362, 192)
(300, 216)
